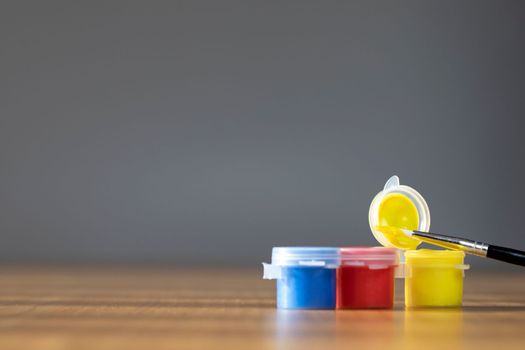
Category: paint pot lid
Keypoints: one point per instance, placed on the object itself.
(392, 186)
(305, 256)
(369, 256)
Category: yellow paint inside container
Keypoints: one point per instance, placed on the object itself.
(434, 278)
(398, 211)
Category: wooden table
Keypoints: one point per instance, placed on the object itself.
(165, 308)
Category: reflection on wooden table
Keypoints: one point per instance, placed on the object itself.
(167, 308)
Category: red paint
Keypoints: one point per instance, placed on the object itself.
(358, 287)
(367, 279)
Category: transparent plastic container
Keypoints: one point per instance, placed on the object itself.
(393, 207)
(306, 276)
(434, 278)
(365, 277)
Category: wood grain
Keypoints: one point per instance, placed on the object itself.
(163, 308)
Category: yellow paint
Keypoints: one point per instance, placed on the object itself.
(397, 237)
(434, 278)
(398, 211)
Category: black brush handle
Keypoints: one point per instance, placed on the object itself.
(509, 255)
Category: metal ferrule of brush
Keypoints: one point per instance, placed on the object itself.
(456, 243)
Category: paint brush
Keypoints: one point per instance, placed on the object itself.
(509, 255)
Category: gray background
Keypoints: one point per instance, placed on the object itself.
(207, 132)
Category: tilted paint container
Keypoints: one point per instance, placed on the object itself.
(365, 277)
(306, 276)
(398, 206)
(434, 278)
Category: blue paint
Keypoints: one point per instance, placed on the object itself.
(306, 276)
(306, 287)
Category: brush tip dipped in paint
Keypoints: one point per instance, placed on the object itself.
(398, 237)
(409, 233)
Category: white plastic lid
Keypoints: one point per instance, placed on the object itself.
(305, 256)
(393, 186)
(322, 257)
(373, 257)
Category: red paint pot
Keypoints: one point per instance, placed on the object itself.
(365, 278)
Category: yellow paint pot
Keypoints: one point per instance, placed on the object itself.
(398, 206)
(434, 278)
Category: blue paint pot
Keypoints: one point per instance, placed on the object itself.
(306, 276)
